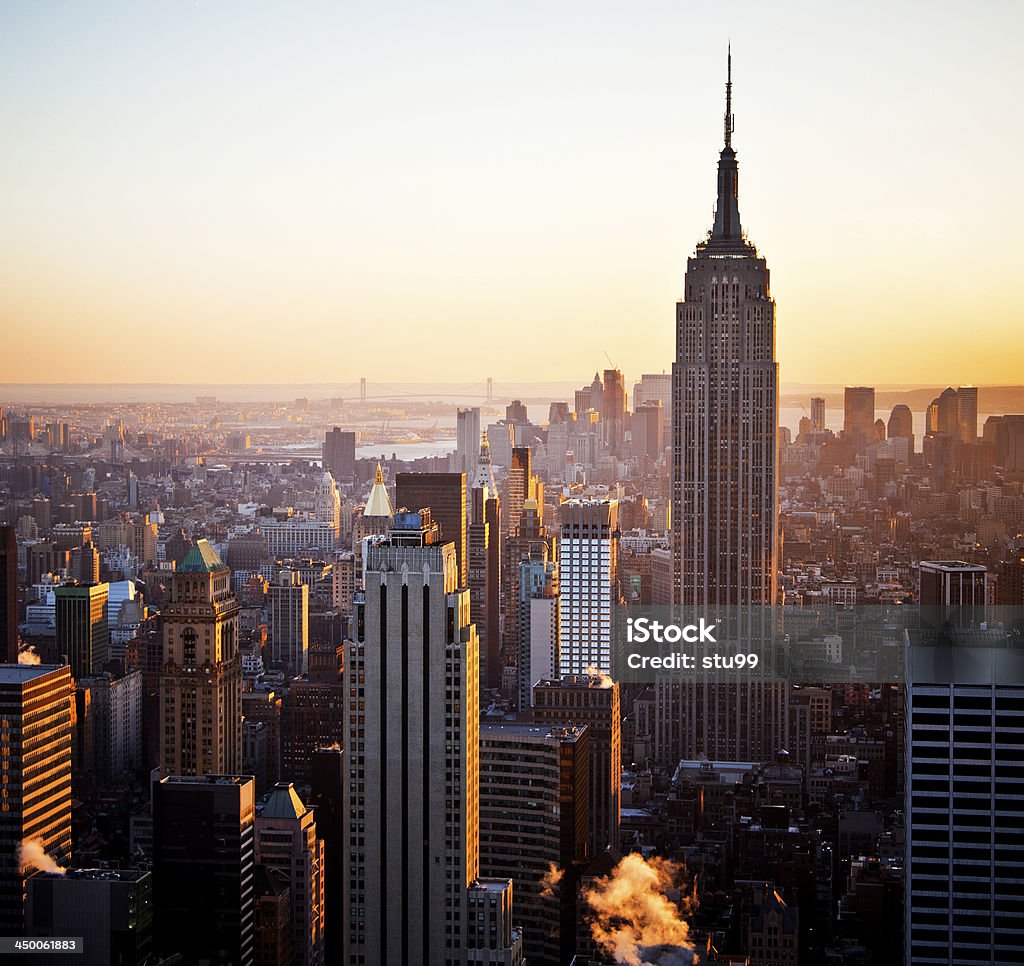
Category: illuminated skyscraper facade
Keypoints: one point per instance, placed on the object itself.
(725, 414)
(201, 676)
(725, 475)
(35, 791)
(411, 799)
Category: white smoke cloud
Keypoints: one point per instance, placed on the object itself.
(29, 655)
(550, 879)
(634, 921)
(604, 679)
(32, 857)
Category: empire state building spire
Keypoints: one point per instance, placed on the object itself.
(727, 234)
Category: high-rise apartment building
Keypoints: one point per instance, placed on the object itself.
(588, 585)
(340, 454)
(859, 413)
(203, 868)
(201, 675)
(411, 799)
(591, 700)
(35, 776)
(288, 622)
(286, 840)
(8, 595)
(83, 632)
(445, 495)
(528, 829)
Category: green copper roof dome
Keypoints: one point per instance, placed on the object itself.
(201, 559)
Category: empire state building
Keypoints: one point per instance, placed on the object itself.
(725, 413)
(724, 482)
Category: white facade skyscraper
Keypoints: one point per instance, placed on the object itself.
(328, 503)
(411, 838)
(467, 440)
(588, 584)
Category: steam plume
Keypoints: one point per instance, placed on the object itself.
(29, 655)
(634, 920)
(32, 857)
(605, 680)
(550, 879)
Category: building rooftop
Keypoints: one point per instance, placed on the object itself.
(201, 559)
(283, 802)
(23, 673)
(96, 875)
(378, 503)
(524, 731)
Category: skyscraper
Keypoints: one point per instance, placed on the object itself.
(964, 746)
(286, 840)
(588, 585)
(484, 543)
(530, 543)
(613, 409)
(591, 700)
(340, 454)
(411, 799)
(35, 794)
(288, 622)
(8, 595)
(327, 780)
(327, 504)
(203, 865)
(725, 476)
(901, 425)
(201, 677)
(859, 413)
(523, 485)
(967, 413)
(725, 413)
(467, 439)
(529, 828)
(83, 632)
(537, 619)
(818, 414)
(445, 495)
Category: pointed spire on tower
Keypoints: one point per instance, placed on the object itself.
(730, 121)
(726, 234)
(484, 469)
(378, 503)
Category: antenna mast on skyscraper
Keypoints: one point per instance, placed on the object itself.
(730, 121)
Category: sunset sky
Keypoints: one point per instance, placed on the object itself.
(244, 192)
